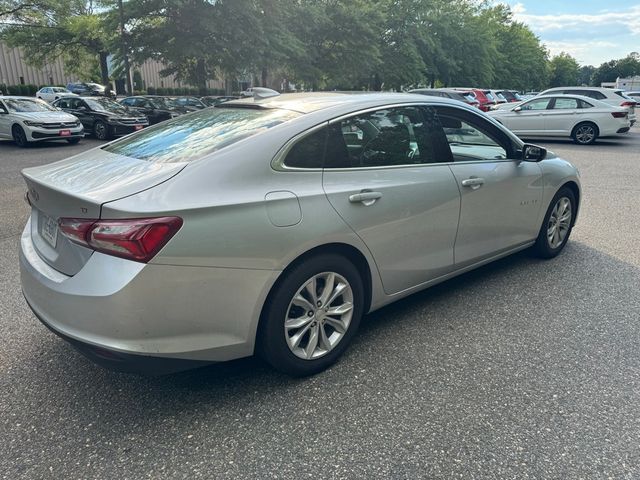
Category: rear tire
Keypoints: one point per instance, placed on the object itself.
(557, 225)
(585, 133)
(19, 136)
(298, 334)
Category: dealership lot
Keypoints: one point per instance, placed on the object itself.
(522, 369)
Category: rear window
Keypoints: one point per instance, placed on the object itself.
(192, 136)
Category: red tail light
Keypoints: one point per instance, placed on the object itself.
(136, 239)
(628, 104)
(619, 114)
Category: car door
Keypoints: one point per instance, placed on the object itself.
(501, 195)
(5, 121)
(80, 109)
(527, 118)
(561, 115)
(386, 176)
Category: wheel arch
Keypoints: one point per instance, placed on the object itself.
(573, 186)
(350, 252)
(582, 122)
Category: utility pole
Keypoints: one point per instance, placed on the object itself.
(125, 57)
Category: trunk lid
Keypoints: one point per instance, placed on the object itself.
(77, 188)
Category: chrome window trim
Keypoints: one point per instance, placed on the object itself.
(277, 163)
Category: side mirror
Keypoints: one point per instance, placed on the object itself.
(533, 153)
(517, 109)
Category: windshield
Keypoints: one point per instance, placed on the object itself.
(192, 136)
(623, 94)
(489, 96)
(22, 105)
(103, 105)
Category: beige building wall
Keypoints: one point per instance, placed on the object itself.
(15, 71)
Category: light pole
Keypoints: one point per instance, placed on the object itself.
(123, 46)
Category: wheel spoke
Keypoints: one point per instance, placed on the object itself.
(300, 301)
(328, 288)
(294, 341)
(340, 310)
(311, 289)
(336, 293)
(313, 342)
(295, 323)
(338, 325)
(324, 342)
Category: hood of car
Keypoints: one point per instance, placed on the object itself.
(45, 116)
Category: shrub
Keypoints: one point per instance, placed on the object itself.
(23, 89)
(151, 90)
(161, 91)
(4, 88)
(139, 92)
(13, 89)
(31, 89)
(170, 91)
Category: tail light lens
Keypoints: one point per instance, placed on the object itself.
(619, 114)
(628, 104)
(138, 239)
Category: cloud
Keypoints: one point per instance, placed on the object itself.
(624, 21)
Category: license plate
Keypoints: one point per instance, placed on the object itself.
(49, 230)
(138, 127)
(65, 133)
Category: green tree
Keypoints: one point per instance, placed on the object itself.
(564, 70)
(67, 29)
(585, 74)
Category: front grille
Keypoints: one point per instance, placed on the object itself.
(131, 121)
(61, 125)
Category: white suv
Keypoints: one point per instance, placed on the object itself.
(612, 96)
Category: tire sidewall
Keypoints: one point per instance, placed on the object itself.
(271, 343)
(542, 243)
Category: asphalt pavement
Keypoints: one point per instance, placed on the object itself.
(524, 369)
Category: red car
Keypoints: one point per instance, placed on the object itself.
(484, 97)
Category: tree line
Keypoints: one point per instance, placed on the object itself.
(319, 44)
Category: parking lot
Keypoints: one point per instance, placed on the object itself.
(521, 369)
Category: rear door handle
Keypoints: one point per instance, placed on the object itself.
(366, 197)
(473, 182)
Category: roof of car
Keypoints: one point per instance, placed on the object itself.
(19, 97)
(312, 101)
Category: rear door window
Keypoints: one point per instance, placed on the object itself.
(565, 104)
(193, 136)
(537, 104)
(386, 137)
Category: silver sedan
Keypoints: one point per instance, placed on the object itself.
(272, 225)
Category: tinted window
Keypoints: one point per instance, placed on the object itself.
(308, 152)
(473, 138)
(587, 93)
(388, 137)
(538, 104)
(190, 137)
(565, 104)
(62, 103)
(585, 104)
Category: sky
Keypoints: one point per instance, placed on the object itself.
(592, 31)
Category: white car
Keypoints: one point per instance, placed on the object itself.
(27, 119)
(634, 94)
(51, 94)
(581, 118)
(247, 93)
(610, 96)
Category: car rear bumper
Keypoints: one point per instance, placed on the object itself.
(623, 130)
(127, 315)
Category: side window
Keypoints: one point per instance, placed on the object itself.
(538, 104)
(597, 95)
(127, 102)
(472, 138)
(62, 103)
(3, 108)
(388, 137)
(309, 151)
(565, 104)
(75, 103)
(584, 104)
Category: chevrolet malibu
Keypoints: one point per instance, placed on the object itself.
(272, 225)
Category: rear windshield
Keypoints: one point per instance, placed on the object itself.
(189, 137)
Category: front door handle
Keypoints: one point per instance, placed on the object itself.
(473, 182)
(366, 197)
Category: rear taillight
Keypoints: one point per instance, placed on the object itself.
(619, 114)
(628, 104)
(136, 239)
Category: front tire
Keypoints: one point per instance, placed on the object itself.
(312, 315)
(585, 133)
(557, 225)
(19, 136)
(101, 130)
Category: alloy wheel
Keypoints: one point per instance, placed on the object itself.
(559, 222)
(100, 130)
(585, 134)
(319, 315)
